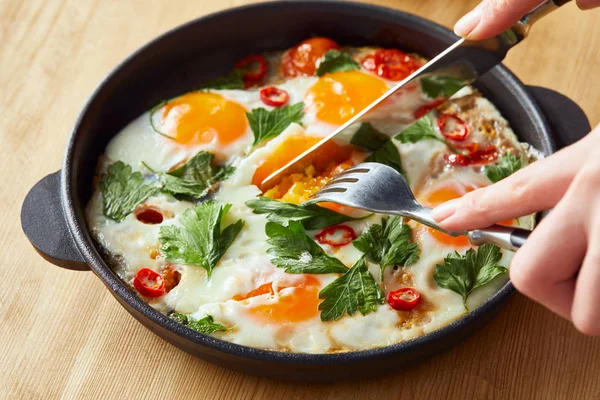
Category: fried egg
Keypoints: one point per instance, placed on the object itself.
(262, 305)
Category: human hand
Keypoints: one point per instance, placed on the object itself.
(492, 17)
(559, 264)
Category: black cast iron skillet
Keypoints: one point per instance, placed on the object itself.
(177, 62)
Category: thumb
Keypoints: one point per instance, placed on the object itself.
(492, 17)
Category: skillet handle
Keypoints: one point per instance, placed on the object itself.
(567, 120)
(44, 224)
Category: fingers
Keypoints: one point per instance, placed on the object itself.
(537, 187)
(492, 17)
(588, 4)
(585, 312)
(545, 267)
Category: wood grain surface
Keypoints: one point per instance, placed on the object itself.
(63, 335)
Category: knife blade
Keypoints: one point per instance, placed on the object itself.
(435, 82)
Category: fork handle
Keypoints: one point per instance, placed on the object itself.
(503, 236)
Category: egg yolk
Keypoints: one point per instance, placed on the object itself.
(339, 96)
(202, 117)
(293, 146)
(298, 302)
(438, 197)
(443, 195)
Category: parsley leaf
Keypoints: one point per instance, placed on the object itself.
(196, 177)
(200, 241)
(369, 138)
(312, 216)
(436, 86)
(388, 155)
(269, 124)
(384, 151)
(388, 244)
(506, 166)
(463, 274)
(336, 61)
(295, 251)
(355, 290)
(123, 190)
(206, 325)
(422, 130)
(233, 80)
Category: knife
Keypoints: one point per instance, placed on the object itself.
(457, 66)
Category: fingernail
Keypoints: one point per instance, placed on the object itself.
(468, 23)
(444, 211)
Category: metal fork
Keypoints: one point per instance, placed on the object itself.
(381, 189)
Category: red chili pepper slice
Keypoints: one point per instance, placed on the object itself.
(254, 67)
(149, 283)
(424, 110)
(391, 64)
(453, 127)
(336, 236)
(404, 299)
(274, 97)
(149, 216)
(484, 156)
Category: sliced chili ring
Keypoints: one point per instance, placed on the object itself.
(391, 64)
(453, 127)
(404, 299)
(149, 215)
(149, 283)
(254, 67)
(483, 156)
(427, 108)
(336, 236)
(274, 97)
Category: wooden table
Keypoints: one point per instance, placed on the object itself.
(63, 334)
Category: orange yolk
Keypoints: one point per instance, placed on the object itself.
(298, 302)
(438, 197)
(201, 117)
(337, 97)
(443, 195)
(294, 146)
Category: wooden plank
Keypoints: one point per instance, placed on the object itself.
(63, 334)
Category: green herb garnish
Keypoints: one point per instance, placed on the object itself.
(200, 240)
(506, 166)
(311, 216)
(295, 251)
(196, 177)
(384, 151)
(123, 190)
(369, 138)
(336, 61)
(269, 124)
(463, 274)
(206, 325)
(355, 290)
(388, 155)
(388, 244)
(233, 80)
(422, 130)
(436, 86)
